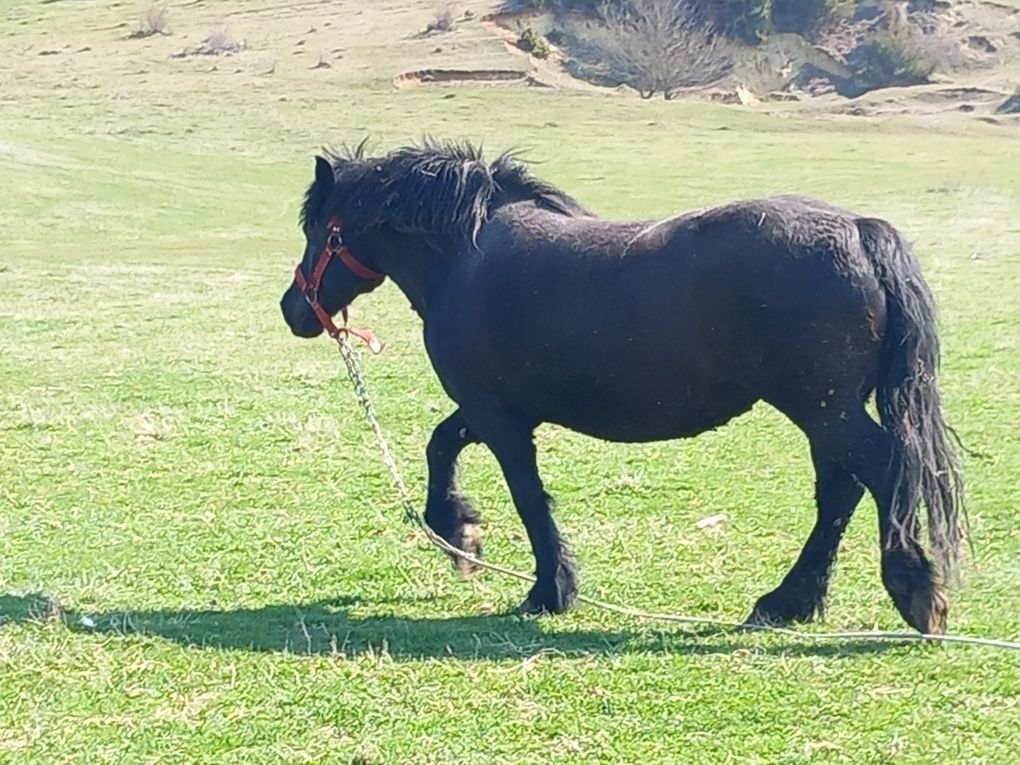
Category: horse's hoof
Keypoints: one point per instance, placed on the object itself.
(537, 607)
(777, 610)
(556, 597)
(929, 611)
(530, 608)
(760, 619)
(469, 539)
(916, 591)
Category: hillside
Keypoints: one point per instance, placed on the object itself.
(304, 46)
(966, 54)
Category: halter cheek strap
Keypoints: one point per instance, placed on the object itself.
(310, 288)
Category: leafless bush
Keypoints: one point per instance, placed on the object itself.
(221, 41)
(444, 20)
(153, 23)
(661, 46)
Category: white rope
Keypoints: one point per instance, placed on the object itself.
(413, 516)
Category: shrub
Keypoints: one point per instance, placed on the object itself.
(804, 16)
(444, 20)
(153, 23)
(748, 20)
(661, 46)
(221, 41)
(895, 58)
(532, 42)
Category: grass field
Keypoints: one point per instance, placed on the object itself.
(201, 559)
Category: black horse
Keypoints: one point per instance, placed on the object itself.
(537, 311)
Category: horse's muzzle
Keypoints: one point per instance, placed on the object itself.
(299, 317)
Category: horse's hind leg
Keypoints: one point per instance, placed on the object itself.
(909, 577)
(447, 512)
(865, 450)
(801, 595)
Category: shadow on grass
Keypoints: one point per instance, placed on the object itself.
(328, 627)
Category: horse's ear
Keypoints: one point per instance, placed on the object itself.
(323, 173)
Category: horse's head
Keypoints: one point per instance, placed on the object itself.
(405, 214)
(330, 275)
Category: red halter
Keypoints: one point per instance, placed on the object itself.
(310, 289)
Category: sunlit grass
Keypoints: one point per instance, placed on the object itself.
(201, 558)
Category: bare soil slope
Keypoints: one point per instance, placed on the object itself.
(319, 48)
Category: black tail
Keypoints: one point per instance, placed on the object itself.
(925, 465)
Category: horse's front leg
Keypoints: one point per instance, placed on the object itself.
(447, 512)
(511, 442)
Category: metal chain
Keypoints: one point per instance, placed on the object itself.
(411, 515)
(361, 393)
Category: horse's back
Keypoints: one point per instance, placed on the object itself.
(784, 226)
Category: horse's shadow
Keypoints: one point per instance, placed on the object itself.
(328, 628)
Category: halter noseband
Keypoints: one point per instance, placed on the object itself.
(310, 288)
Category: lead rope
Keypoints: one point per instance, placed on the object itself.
(411, 515)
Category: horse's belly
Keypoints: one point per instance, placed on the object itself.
(636, 416)
(639, 396)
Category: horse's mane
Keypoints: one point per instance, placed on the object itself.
(443, 189)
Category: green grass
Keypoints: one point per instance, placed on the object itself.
(178, 469)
